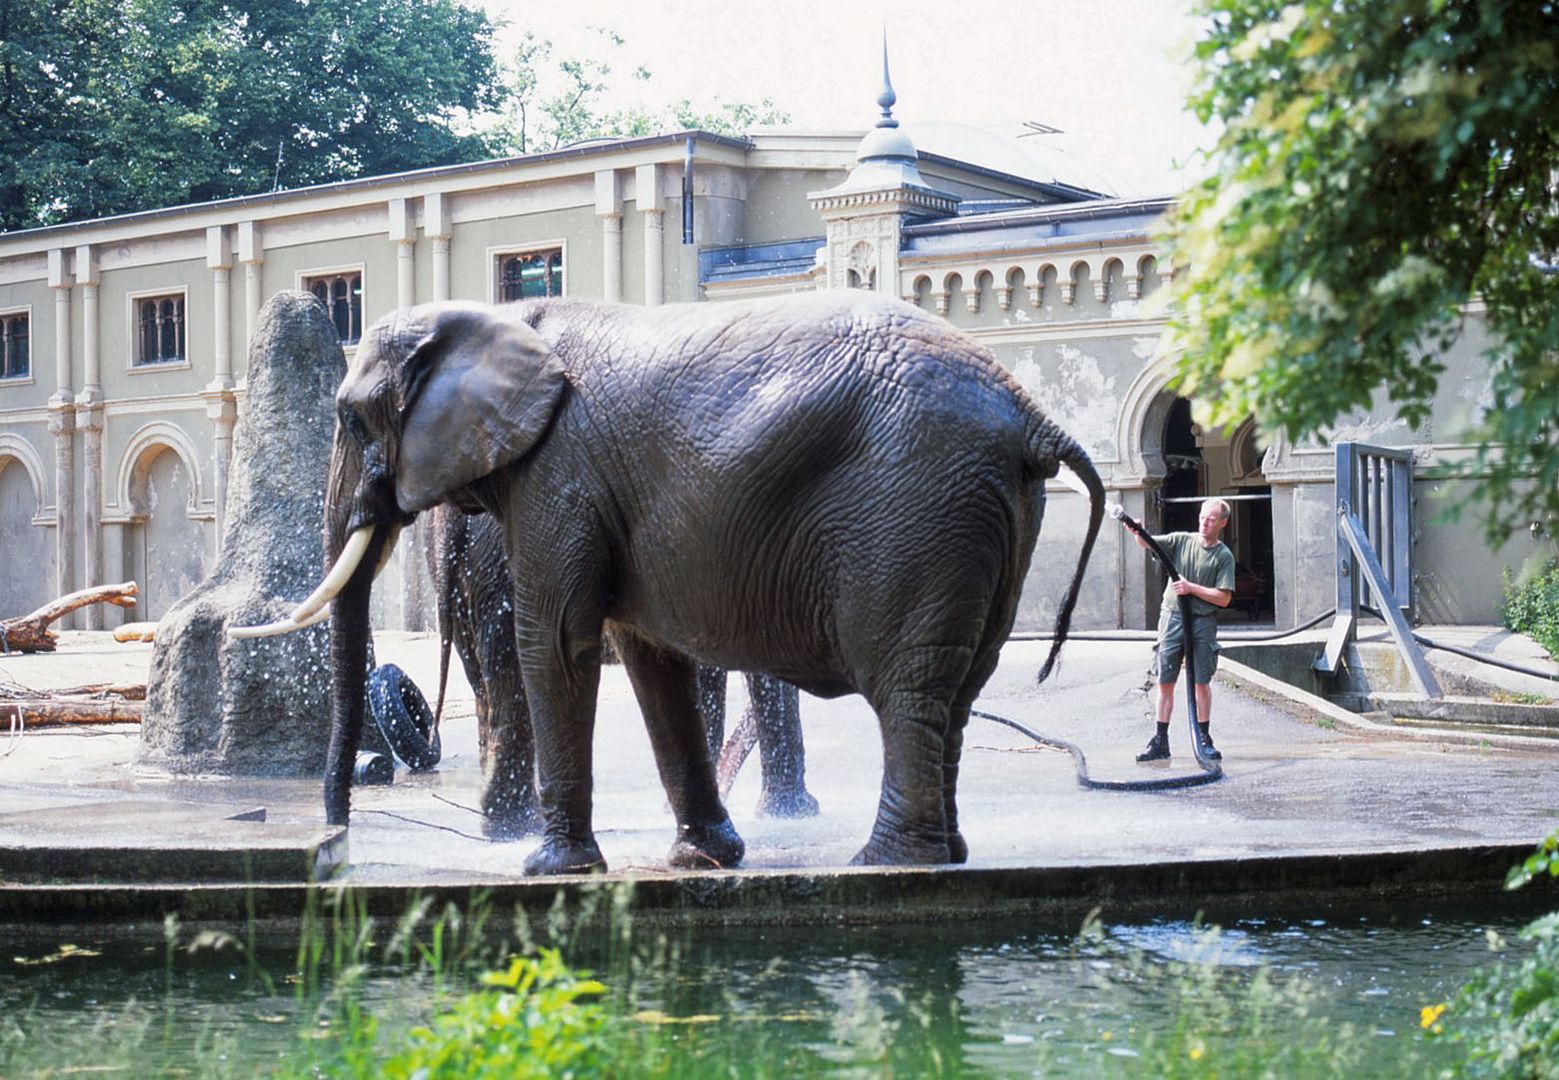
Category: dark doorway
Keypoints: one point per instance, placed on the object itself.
(1226, 464)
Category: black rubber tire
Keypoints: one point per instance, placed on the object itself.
(403, 718)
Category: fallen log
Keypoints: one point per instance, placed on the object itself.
(87, 691)
(31, 633)
(48, 712)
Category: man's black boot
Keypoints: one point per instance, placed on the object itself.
(1158, 748)
(1209, 751)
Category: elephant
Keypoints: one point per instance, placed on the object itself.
(474, 600)
(834, 488)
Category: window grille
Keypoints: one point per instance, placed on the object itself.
(15, 348)
(162, 337)
(342, 295)
(524, 275)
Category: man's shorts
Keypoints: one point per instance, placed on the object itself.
(1171, 647)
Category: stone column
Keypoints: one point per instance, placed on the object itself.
(62, 407)
(251, 252)
(647, 192)
(402, 232)
(221, 405)
(435, 225)
(89, 422)
(609, 208)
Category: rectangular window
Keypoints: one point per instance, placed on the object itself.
(526, 274)
(160, 330)
(15, 347)
(342, 295)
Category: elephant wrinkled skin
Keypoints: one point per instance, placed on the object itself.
(465, 557)
(839, 490)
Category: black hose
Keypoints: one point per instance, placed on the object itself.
(1150, 635)
(1482, 658)
(1211, 770)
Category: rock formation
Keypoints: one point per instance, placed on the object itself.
(258, 707)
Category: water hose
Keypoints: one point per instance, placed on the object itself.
(1211, 770)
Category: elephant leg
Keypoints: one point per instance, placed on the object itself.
(509, 803)
(777, 707)
(911, 826)
(711, 706)
(952, 753)
(562, 696)
(665, 684)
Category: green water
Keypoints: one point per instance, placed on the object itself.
(1331, 990)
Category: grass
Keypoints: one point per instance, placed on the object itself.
(1510, 697)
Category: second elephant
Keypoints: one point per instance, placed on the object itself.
(474, 592)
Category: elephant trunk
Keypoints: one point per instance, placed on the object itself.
(1061, 449)
(349, 673)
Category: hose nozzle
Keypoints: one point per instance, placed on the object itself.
(1115, 510)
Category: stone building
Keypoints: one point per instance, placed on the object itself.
(124, 339)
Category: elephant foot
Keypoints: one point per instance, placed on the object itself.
(511, 822)
(901, 852)
(789, 803)
(561, 855)
(708, 847)
(957, 848)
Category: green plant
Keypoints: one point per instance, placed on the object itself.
(1508, 1015)
(538, 1018)
(1506, 697)
(1532, 607)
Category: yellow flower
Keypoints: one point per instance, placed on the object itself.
(1429, 1014)
(1197, 1052)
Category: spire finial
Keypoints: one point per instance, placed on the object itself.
(887, 97)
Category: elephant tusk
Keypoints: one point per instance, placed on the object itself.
(283, 626)
(340, 574)
(389, 549)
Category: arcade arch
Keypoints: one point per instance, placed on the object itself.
(165, 536)
(27, 566)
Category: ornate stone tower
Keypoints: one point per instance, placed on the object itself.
(864, 215)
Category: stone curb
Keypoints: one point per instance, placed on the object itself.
(1249, 679)
(845, 896)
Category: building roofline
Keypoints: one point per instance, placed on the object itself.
(1097, 208)
(1052, 188)
(369, 183)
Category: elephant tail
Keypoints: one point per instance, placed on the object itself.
(1052, 452)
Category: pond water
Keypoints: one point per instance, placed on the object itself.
(1329, 990)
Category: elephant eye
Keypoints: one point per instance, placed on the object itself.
(354, 426)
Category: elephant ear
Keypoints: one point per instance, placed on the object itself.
(479, 388)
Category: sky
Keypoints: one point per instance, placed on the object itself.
(1112, 74)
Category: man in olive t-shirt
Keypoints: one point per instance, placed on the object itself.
(1206, 569)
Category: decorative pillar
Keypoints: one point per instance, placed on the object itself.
(403, 234)
(435, 225)
(647, 193)
(62, 407)
(251, 252)
(89, 421)
(221, 403)
(609, 208)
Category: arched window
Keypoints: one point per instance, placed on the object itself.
(528, 274)
(342, 295)
(161, 339)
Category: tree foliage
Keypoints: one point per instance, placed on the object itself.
(1383, 166)
(551, 102)
(113, 106)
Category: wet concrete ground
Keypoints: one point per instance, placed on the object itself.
(1298, 783)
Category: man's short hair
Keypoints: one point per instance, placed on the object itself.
(1222, 507)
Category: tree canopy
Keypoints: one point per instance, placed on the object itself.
(113, 106)
(1384, 167)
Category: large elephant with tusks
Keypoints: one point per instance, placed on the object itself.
(833, 488)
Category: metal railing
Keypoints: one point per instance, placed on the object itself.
(1375, 554)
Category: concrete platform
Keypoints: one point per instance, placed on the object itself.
(1308, 802)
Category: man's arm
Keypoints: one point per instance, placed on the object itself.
(1216, 597)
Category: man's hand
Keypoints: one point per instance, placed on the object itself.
(1183, 587)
